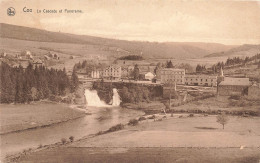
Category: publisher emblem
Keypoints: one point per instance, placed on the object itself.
(10, 11)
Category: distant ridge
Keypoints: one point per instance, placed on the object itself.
(178, 50)
(243, 50)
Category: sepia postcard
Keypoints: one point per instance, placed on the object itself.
(130, 81)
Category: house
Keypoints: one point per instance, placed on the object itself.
(146, 76)
(56, 56)
(46, 57)
(3, 55)
(172, 75)
(112, 72)
(28, 55)
(37, 62)
(96, 74)
(233, 86)
(201, 80)
(254, 91)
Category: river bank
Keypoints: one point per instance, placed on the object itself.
(44, 113)
(17, 118)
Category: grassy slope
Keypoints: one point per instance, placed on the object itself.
(148, 49)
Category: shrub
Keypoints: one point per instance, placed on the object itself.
(151, 117)
(141, 119)
(191, 115)
(71, 138)
(116, 128)
(234, 97)
(133, 122)
(40, 146)
(100, 132)
(63, 140)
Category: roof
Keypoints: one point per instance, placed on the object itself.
(255, 85)
(235, 81)
(201, 76)
(144, 73)
(172, 69)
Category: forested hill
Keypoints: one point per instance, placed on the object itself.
(176, 50)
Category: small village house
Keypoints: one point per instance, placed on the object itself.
(254, 91)
(233, 86)
(146, 76)
(96, 74)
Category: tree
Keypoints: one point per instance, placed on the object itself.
(74, 81)
(136, 72)
(169, 64)
(34, 93)
(222, 119)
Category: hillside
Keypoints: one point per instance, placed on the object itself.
(115, 47)
(243, 50)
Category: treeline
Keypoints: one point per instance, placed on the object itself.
(21, 85)
(228, 63)
(235, 61)
(131, 57)
(200, 68)
(88, 66)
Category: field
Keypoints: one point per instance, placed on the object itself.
(24, 116)
(175, 139)
(143, 155)
(197, 131)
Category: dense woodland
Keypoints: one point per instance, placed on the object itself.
(19, 85)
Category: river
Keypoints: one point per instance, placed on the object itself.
(101, 118)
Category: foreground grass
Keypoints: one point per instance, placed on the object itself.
(165, 155)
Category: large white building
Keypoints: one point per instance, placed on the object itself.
(112, 72)
(201, 80)
(172, 75)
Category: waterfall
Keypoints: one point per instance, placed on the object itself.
(94, 100)
(116, 98)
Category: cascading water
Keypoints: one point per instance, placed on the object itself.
(116, 98)
(94, 100)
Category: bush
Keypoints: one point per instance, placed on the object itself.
(191, 115)
(63, 140)
(116, 128)
(234, 97)
(40, 146)
(141, 119)
(71, 138)
(133, 122)
(151, 117)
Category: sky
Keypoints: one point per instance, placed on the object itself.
(220, 21)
